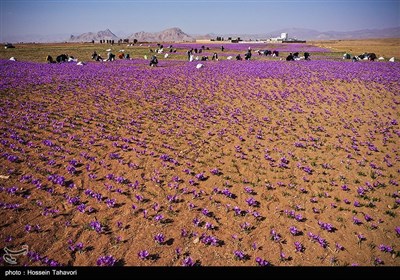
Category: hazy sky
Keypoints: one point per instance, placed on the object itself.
(48, 17)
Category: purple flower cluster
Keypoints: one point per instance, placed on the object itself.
(326, 226)
(316, 238)
(106, 261)
(262, 262)
(96, 225)
(386, 248)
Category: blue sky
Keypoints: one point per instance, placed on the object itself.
(193, 17)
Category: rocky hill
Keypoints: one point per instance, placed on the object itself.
(89, 36)
(174, 34)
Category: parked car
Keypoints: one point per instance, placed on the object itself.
(9, 46)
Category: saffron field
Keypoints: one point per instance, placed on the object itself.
(239, 163)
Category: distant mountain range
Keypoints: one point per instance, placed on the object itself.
(89, 36)
(168, 35)
(175, 34)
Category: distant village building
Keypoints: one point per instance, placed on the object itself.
(284, 38)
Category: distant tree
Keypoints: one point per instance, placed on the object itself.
(135, 41)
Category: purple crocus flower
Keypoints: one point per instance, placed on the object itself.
(239, 255)
(106, 261)
(205, 212)
(262, 262)
(188, 262)
(96, 226)
(385, 248)
(28, 228)
(299, 247)
(339, 247)
(294, 231)
(215, 171)
(158, 217)
(159, 238)
(200, 177)
(143, 254)
(378, 261)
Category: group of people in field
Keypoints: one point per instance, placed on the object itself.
(61, 58)
(190, 55)
(295, 56)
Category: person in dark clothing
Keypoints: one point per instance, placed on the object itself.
(153, 61)
(372, 56)
(215, 56)
(222, 48)
(247, 56)
(307, 56)
(49, 59)
(62, 58)
(189, 53)
(238, 57)
(110, 56)
(290, 57)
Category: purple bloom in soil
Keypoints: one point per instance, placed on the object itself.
(356, 221)
(106, 261)
(96, 226)
(215, 171)
(357, 204)
(368, 218)
(178, 251)
(346, 201)
(159, 238)
(299, 247)
(184, 232)
(81, 208)
(196, 221)
(385, 248)
(303, 190)
(110, 202)
(200, 177)
(248, 190)
(187, 261)
(158, 217)
(209, 226)
(28, 228)
(205, 212)
(239, 255)
(361, 237)
(251, 201)
(275, 236)
(294, 231)
(397, 230)
(79, 246)
(326, 226)
(298, 217)
(143, 254)
(378, 261)
(339, 247)
(345, 188)
(262, 262)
